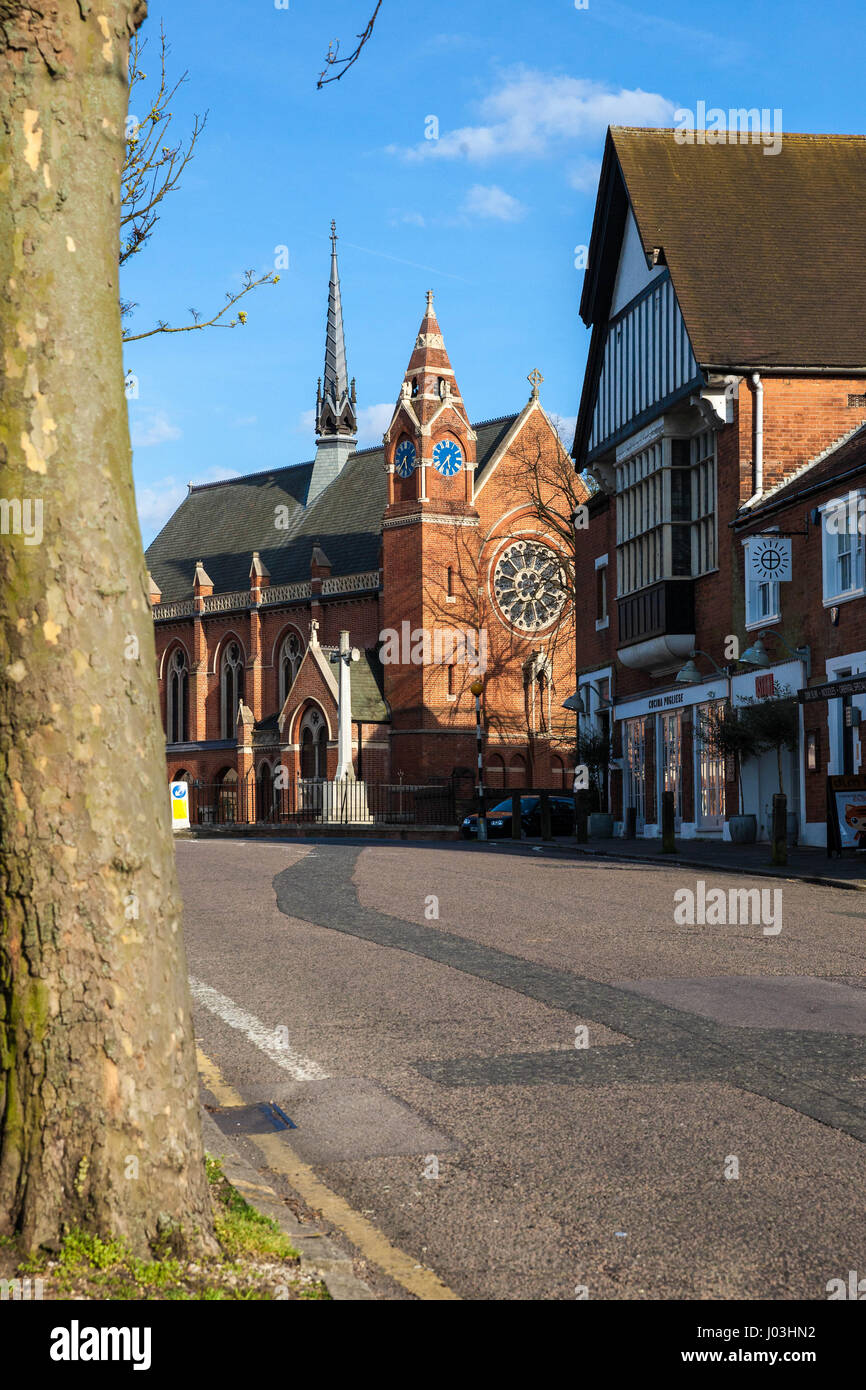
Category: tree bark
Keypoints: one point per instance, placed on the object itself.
(98, 1094)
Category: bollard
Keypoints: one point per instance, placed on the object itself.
(516, 822)
(779, 837)
(546, 826)
(669, 841)
(581, 817)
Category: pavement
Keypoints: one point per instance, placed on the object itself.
(804, 862)
(513, 1073)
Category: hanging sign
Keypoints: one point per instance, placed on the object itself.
(769, 558)
(179, 805)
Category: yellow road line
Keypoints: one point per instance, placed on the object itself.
(371, 1242)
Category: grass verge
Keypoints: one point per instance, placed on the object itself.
(256, 1262)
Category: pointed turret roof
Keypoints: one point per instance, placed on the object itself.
(335, 403)
(429, 366)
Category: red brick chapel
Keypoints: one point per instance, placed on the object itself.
(429, 551)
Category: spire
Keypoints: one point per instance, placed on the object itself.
(336, 413)
(429, 378)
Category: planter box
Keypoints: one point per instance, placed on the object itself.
(600, 825)
(743, 829)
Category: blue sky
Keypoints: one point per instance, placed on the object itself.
(488, 215)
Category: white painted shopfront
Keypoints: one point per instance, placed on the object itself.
(761, 775)
(661, 712)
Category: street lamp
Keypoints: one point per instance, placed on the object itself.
(476, 687)
(578, 703)
(690, 675)
(757, 654)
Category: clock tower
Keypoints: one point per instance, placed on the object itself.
(429, 553)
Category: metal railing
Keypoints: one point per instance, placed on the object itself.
(315, 801)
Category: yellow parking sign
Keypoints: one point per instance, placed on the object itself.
(179, 805)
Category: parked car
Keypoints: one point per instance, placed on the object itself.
(499, 818)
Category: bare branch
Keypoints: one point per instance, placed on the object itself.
(333, 60)
(153, 167)
(250, 283)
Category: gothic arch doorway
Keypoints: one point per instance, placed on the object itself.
(314, 744)
(265, 810)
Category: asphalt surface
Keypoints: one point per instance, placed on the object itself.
(583, 1073)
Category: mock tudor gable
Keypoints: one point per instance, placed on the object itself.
(726, 367)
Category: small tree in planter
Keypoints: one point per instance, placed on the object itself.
(725, 732)
(774, 724)
(593, 752)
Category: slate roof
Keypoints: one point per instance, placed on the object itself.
(765, 251)
(223, 523)
(368, 688)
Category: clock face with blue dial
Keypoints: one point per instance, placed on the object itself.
(404, 459)
(447, 458)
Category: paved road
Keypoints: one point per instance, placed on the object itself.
(613, 1100)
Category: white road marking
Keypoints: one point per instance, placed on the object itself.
(259, 1034)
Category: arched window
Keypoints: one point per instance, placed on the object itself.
(175, 701)
(517, 771)
(314, 745)
(291, 655)
(495, 772)
(231, 687)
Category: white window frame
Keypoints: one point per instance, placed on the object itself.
(602, 623)
(753, 588)
(853, 505)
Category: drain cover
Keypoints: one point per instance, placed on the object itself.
(252, 1119)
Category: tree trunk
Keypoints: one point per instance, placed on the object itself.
(98, 1096)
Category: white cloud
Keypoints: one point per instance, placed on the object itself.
(532, 109)
(489, 200)
(373, 421)
(583, 175)
(411, 219)
(155, 428)
(156, 504)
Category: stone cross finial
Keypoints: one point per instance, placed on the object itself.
(429, 301)
(535, 379)
(314, 633)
